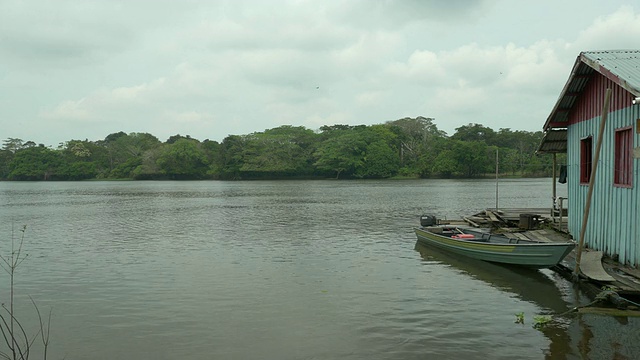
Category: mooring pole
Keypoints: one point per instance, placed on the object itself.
(497, 164)
(592, 178)
(553, 183)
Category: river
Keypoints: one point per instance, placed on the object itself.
(283, 270)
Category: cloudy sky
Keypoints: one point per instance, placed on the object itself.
(74, 69)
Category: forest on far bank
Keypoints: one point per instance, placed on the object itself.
(409, 147)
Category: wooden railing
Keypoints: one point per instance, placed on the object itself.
(559, 212)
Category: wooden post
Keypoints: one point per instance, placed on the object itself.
(592, 177)
(560, 201)
(497, 164)
(554, 185)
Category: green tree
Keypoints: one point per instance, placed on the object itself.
(475, 132)
(9, 147)
(173, 138)
(183, 159)
(35, 163)
(211, 149)
(523, 145)
(472, 158)
(79, 170)
(148, 167)
(359, 151)
(416, 137)
(509, 161)
(380, 161)
(111, 149)
(327, 129)
(409, 146)
(5, 160)
(114, 136)
(231, 156)
(445, 164)
(126, 168)
(381, 157)
(417, 140)
(125, 152)
(280, 152)
(341, 153)
(83, 159)
(12, 145)
(137, 143)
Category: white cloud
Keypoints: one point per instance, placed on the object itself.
(370, 98)
(103, 101)
(233, 67)
(501, 86)
(68, 110)
(62, 34)
(423, 66)
(138, 93)
(189, 117)
(460, 99)
(399, 13)
(617, 31)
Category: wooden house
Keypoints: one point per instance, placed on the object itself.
(574, 126)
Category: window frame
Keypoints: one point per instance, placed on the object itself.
(586, 159)
(623, 157)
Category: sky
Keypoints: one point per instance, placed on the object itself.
(76, 70)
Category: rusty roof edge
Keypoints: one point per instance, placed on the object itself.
(545, 139)
(601, 69)
(564, 90)
(596, 66)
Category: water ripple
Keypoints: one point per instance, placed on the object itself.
(268, 270)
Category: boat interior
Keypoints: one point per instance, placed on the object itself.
(467, 234)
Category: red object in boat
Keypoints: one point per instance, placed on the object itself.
(463, 236)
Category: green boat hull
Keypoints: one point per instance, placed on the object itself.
(535, 255)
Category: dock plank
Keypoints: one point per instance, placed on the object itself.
(521, 236)
(511, 237)
(471, 222)
(492, 216)
(591, 266)
(539, 235)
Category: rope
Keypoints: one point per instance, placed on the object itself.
(603, 295)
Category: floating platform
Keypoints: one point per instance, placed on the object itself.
(596, 270)
(591, 267)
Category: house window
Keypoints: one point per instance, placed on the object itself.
(623, 157)
(586, 159)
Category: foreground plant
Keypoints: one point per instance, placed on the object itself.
(14, 335)
(541, 320)
(520, 318)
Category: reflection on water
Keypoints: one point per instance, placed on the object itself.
(534, 286)
(280, 270)
(570, 336)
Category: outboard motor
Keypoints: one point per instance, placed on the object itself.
(428, 220)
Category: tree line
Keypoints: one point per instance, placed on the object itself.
(409, 147)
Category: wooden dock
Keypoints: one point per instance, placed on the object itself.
(598, 272)
(595, 271)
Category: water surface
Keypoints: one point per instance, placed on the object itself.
(284, 270)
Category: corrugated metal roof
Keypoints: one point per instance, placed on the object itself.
(553, 141)
(620, 66)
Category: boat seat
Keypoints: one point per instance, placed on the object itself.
(434, 229)
(512, 237)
